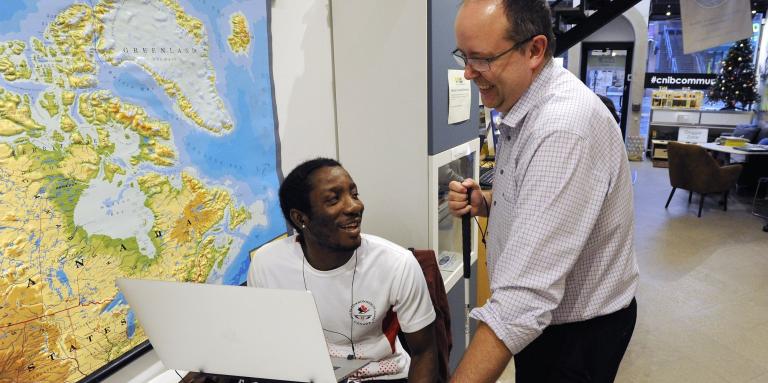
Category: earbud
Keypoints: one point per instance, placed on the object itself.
(303, 226)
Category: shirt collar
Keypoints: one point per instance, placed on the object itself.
(530, 98)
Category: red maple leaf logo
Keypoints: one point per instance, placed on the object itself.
(362, 309)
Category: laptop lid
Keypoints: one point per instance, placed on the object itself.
(234, 330)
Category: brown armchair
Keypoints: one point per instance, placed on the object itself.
(693, 169)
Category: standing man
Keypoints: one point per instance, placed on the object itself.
(561, 263)
(366, 288)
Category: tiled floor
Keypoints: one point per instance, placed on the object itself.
(703, 296)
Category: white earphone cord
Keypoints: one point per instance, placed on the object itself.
(351, 302)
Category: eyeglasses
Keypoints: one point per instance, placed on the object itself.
(484, 64)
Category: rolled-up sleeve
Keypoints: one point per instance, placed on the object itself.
(542, 227)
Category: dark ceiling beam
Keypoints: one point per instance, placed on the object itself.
(589, 26)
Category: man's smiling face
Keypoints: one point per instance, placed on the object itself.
(481, 30)
(336, 210)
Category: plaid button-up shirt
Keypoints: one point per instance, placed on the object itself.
(560, 231)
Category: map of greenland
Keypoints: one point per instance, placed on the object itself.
(118, 158)
(170, 46)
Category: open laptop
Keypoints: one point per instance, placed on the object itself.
(237, 331)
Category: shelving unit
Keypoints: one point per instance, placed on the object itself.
(665, 123)
(659, 153)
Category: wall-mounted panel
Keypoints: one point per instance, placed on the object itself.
(442, 41)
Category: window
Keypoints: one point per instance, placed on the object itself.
(665, 55)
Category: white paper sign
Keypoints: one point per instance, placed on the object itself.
(693, 135)
(709, 23)
(459, 96)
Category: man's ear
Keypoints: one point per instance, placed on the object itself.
(538, 51)
(298, 218)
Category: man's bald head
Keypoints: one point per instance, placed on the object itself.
(525, 18)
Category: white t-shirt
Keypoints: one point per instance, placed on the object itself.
(386, 276)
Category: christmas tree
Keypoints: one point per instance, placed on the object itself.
(736, 81)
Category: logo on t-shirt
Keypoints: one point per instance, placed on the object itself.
(363, 312)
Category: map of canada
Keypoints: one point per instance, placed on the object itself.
(137, 139)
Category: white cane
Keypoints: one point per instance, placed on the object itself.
(466, 242)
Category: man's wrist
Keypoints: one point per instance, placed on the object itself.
(486, 204)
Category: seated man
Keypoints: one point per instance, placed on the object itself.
(366, 288)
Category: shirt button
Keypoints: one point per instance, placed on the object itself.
(509, 138)
(501, 171)
(494, 203)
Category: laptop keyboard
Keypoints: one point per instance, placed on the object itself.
(486, 178)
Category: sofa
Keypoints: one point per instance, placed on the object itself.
(755, 133)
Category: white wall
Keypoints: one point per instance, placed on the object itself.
(620, 29)
(302, 67)
(381, 99)
(638, 17)
(644, 7)
(303, 72)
